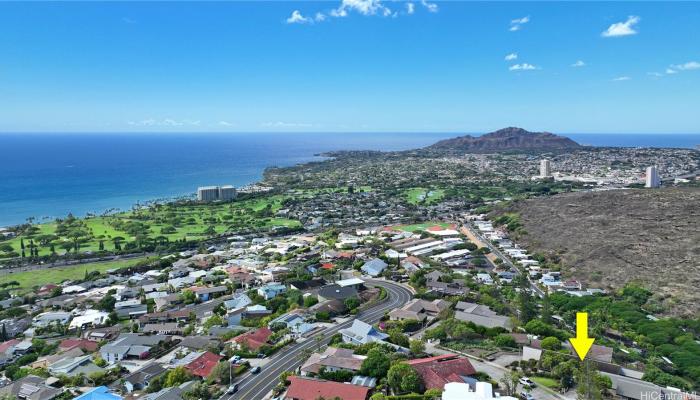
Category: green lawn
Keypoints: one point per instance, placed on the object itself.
(424, 196)
(29, 279)
(191, 222)
(546, 382)
(422, 226)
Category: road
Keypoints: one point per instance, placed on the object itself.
(471, 232)
(255, 387)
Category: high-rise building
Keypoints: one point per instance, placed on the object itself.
(653, 180)
(208, 193)
(545, 169)
(227, 192)
(214, 193)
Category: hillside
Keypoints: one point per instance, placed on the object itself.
(504, 140)
(609, 238)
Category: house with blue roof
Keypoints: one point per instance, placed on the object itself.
(99, 393)
(374, 267)
(271, 290)
(361, 332)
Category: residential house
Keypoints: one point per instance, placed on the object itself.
(336, 292)
(82, 344)
(374, 267)
(73, 366)
(333, 359)
(440, 370)
(207, 293)
(203, 365)
(89, 318)
(130, 345)
(140, 379)
(99, 393)
(130, 308)
(294, 321)
(165, 328)
(361, 332)
(50, 318)
(271, 290)
(481, 315)
(252, 340)
(302, 388)
(419, 310)
(30, 387)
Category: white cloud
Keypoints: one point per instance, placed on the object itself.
(523, 67)
(578, 63)
(691, 65)
(320, 17)
(280, 124)
(671, 71)
(364, 7)
(655, 74)
(516, 24)
(168, 122)
(511, 57)
(297, 18)
(410, 8)
(432, 7)
(128, 20)
(621, 78)
(224, 123)
(622, 28)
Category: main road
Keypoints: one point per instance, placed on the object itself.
(255, 387)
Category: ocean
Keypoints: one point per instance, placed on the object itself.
(49, 175)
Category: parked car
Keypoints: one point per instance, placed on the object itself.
(526, 396)
(526, 382)
(232, 389)
(255, 370)
(262, 355)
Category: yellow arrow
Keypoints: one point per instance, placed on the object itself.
(582, 343)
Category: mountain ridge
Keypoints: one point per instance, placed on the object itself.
(510, 138)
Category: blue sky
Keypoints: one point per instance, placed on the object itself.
(350, 65)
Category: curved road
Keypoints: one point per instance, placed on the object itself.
(255, 387)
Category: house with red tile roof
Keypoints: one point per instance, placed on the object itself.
(302, 388)
(253, 340)
(82, 344)
(4, 346)
(203, 365)
(440, 370)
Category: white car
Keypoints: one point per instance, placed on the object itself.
(526, 382)
(232, 389)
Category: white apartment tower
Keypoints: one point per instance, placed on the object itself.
(653, 180)
(545, 169)
(208, 193)
(214, 193)
(227, 192)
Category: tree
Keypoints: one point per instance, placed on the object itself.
(547, 309)
(505, 340)
(417, 347)
(591, 385)
(376, 364)
(397, 337)
(509, 382)
(404, 379)
(107, 303)
(352, 303)
(188, 296)
(551, 343)
(526, 303)
(176, 377)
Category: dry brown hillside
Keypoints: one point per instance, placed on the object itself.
(610, 238)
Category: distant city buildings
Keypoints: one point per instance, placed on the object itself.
(214, 193)
(652, 179)
(545, 169)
